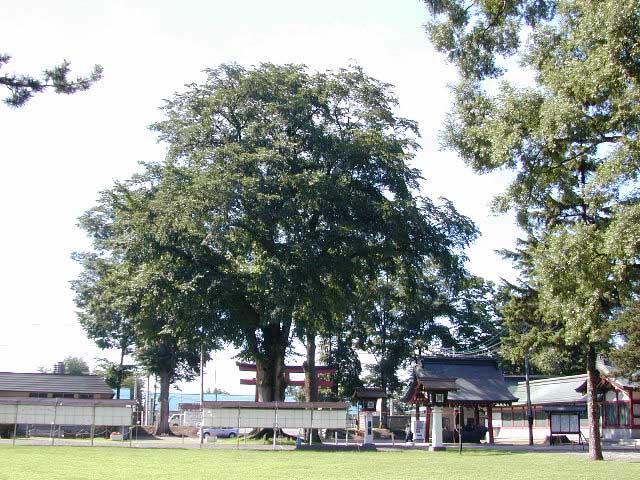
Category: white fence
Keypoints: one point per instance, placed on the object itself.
(63, 413)
(290, 415)
(55, 417)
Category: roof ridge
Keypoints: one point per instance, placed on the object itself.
(556, 379)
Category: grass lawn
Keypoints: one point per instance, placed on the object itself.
(30, 462)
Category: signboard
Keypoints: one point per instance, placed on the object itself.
(565, 422)
(418, 427)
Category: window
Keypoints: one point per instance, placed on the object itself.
(611, 414)
(85, 395)
(63, 395)
(540, 417)
(518, 417)
(623, 409)
(507, 418)
(38, 395)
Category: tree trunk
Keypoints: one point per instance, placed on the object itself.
(310, 383)
(384, 412)
(270, 381)
(162, 428)
(595, 444)
(309, 366)
(270, 378)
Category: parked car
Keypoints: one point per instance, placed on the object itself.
(220, 432)
(175, 420)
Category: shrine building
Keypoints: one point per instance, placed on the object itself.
(459, 393)
(470, 394)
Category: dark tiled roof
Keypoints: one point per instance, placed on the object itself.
(612, 373)
(477, 379)
(50, 383)
(362, 393)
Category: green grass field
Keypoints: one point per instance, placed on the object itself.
(29, 463)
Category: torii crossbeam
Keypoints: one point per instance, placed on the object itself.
(288, 370)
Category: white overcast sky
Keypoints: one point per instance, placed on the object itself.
(58, 152)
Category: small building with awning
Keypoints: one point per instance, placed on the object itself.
(460, 393)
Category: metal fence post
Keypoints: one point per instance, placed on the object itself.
(53, 423)
(311, 429)
(93, 423)
(15, 426)
(275, 425)
(245, 433)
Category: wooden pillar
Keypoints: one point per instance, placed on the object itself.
(427, 424)
(490, 422)
(417, 411)
(456, 423)
(476, 415)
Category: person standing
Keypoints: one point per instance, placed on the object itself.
(408, 433)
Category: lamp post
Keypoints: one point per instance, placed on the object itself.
(201, 392)
(437, 400)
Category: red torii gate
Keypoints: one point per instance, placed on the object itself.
(288, 370)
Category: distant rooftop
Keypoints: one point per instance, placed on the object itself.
(550, 390)
(52, 383)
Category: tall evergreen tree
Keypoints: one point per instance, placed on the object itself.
(571, 140)
(138, 296)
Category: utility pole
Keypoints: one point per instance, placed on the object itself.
(529, 409)
(201, 391)
(460, 414)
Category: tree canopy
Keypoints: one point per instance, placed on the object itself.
(75, 366)
(283, 195)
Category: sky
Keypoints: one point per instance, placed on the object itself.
(58, 152)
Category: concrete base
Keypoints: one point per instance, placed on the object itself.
(436, 429)
(368, 430)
